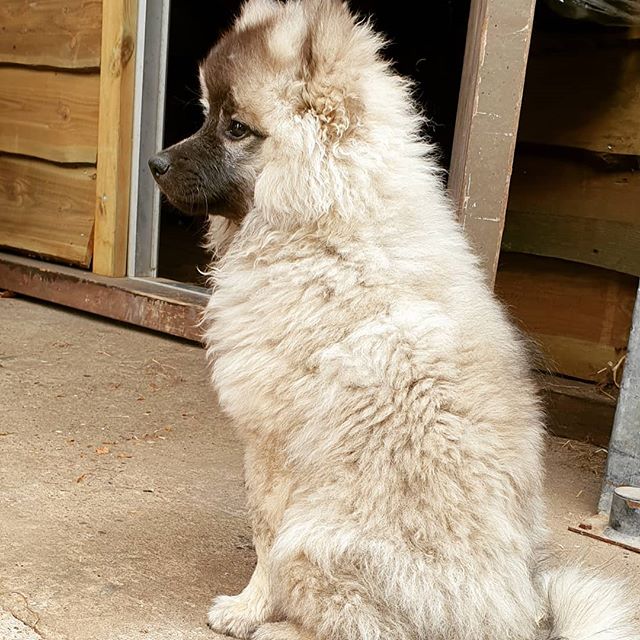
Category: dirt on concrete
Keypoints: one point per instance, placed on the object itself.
(121, 494)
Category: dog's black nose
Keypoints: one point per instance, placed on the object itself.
(159, 164)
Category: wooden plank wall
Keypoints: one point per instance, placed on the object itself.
(571, 244)
(583, 93)
(584, 208)
(579, 316)
(29, 191)
(55, 33)
(49, 113)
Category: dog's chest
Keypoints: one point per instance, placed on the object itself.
(269, 320)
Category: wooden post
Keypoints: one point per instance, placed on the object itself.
(115, 127)
(495, 61)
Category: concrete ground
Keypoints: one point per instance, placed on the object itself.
(121, 493)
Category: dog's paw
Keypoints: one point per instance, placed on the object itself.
(237, 616)
(280, 631)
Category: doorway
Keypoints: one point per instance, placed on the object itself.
(167, 244)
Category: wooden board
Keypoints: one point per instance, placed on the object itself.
(586, 97)
(115, 136)
(49, 114)
(149, 304)
(487, 119)
(53, 33)
(578, 315)
(47, 209)
(574, 208)
(577, 410)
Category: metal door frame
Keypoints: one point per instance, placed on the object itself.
(148, 131)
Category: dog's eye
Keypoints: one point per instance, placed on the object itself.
(237, 130)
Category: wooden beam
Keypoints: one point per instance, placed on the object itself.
(47, 208)
(487, 120)
(115, 134)
(55, 33)
(138, 302)
(49, 114)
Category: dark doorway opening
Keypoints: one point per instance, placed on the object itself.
(429, 50)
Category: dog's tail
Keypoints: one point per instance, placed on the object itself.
(584, 606)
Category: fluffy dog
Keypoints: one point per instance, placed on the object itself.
(392, 431)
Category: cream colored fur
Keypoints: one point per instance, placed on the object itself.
(392, 431)
(220, 233)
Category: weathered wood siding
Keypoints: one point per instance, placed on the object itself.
(47, 114)
(579, 316)
(571, 243)
(50, 58)
(52, 33)
(47, 208)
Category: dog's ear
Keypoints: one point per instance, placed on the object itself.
(311, 173)
(254, 12)
(335, 50)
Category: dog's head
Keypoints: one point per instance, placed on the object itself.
(283, 94)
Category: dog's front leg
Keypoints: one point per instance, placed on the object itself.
(267, 494)
(241, 615)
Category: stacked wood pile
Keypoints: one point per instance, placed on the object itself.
(571, 247)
